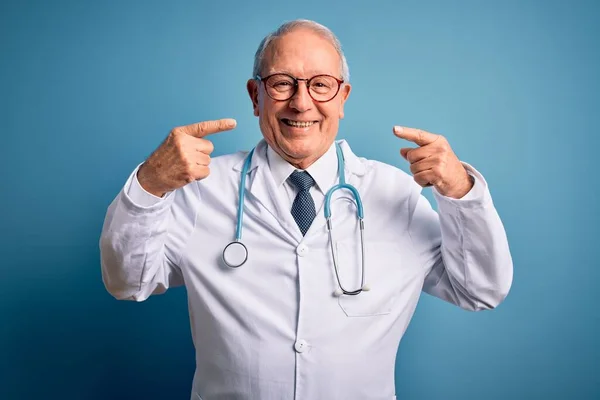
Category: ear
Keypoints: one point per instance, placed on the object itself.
(252, 86)
(344, 93)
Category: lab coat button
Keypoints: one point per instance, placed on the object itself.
(302, 250)
(300, 345)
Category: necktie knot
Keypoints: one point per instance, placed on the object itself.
(302, 180)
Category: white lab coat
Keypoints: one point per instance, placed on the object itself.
(272, 329)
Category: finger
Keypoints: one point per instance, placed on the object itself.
(424, 165)
(202, 159)
(417, 136)
(204, 146)
(425, 178)
(202, 172)
(404, 152)
(205, 128)
(418, 154)
(196, 173)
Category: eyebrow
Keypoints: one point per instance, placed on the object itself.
(289, 73)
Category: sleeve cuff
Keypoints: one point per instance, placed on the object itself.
(139, 196)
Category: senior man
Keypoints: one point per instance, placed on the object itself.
(318, 306)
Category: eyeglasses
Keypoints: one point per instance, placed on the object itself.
(321, 88)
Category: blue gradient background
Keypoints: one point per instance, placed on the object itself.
(89, 89)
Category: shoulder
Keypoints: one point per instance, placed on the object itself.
(390, 183)
(382, 185)
(385, 170)
(388, 193)
(374, 170)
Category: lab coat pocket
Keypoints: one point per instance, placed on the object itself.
(381, 262)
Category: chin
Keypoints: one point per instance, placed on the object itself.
(297, 154)
(299, 149)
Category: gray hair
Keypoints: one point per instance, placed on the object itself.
(290, 26)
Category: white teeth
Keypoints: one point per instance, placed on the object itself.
(298, 124)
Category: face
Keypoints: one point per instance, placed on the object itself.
(300, 129)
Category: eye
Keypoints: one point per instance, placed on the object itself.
(282, 84)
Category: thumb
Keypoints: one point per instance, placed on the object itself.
(404, 152)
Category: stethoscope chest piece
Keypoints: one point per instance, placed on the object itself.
(235, 254)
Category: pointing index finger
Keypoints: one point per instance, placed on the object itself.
(417, 136)
(205, 128)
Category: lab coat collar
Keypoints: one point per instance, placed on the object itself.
(258, 150)
(354, 165)
(262, 187)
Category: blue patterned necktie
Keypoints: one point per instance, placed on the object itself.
(303, 208)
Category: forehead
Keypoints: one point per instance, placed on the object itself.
(302, 53)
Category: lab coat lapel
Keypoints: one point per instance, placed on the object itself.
(262, 190)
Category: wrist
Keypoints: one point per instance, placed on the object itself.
(145, 180)
(463, 188)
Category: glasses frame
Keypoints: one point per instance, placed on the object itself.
(296, 85)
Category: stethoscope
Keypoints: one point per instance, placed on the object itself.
(235, 254)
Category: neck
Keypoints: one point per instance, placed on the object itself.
(301, 163)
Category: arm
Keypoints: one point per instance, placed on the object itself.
(148, 223)
(464, 248)
(142, 239)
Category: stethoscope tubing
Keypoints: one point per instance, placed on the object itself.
(236, 260)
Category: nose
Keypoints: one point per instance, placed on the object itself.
(301, 100)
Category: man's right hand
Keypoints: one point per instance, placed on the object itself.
(182, 158)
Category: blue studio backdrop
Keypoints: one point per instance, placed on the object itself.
(90, 89)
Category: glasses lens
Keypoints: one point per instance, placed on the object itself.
(323, 87)
(280, 86)
(283, 87)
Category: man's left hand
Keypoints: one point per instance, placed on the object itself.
(434, 163)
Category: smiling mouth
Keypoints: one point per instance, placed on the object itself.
(298, 124)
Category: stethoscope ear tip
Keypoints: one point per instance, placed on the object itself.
(338, 292)
(366, 287)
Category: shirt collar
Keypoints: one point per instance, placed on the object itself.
(357, 166)
(323, 171)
